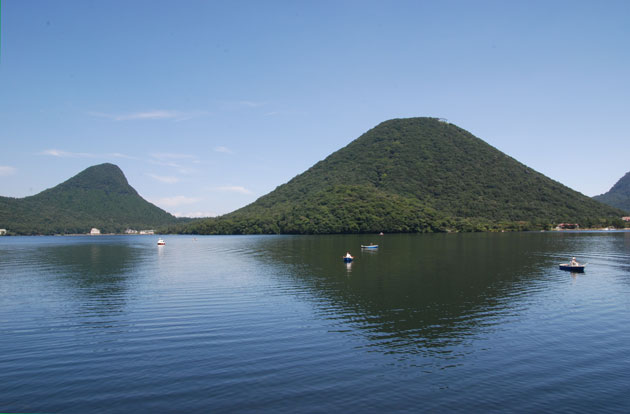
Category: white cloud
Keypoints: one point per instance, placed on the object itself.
(164, 179)
(5, 170)
(224, 150)
(176, 201)
(241, 105)
(119, 155)
(175, 160)
(233, 189)
(196, 214)
(252, 104)
(172, 155)
(157, 114)
(180, 168)
(67, 154)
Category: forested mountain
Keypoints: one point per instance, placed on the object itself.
(412, 175)
(99, 196)
(619, 195)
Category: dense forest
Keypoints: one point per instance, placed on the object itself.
(404, 175)
(619, 195)
(413, 175)
(100, 197)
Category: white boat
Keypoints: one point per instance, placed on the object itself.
(161, 242)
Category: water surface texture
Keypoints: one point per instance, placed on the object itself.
(441, 323)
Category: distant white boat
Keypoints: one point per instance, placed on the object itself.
(161, 242)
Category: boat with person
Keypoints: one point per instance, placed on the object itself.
(573, 266)
(369, 246)
(161, 242)
(348, 257)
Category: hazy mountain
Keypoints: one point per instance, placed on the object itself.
(619, 195)
(99, 196)
(409, 175)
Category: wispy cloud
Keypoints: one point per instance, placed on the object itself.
(251, 104)
(6, 170)
(69, 154)
(164, 179)
(242, 104)
(233, 189)
(196, 214)
(224, 150)
(176, 201)
(157, 114)
(119, 155)
(180, 162)
(172, 155)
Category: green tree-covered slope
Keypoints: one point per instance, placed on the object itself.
(412, 175)
(100, 197)
(619, 195)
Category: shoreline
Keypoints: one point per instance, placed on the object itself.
(585, 230)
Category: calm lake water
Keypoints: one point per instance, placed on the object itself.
(438, 323)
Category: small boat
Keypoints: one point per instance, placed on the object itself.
(572, 266)
(348, 258)
(370, 246)
(161, 242)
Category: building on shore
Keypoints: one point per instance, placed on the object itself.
(568, 226)
(147, 231)
(626, 218)
(3, 232)
(131, 231)
(95, 231)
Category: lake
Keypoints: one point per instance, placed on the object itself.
(435, 323)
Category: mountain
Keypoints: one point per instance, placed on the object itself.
(99, 196)
(619, 195)
(412, 175)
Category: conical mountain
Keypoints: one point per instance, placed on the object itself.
(412, 175)
(99, 196)
(619, 195)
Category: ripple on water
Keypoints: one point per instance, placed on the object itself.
(279, 324)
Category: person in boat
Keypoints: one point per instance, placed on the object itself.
(348, 255)
(574, 262)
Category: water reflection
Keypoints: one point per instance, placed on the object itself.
(98, 271)
(421, 293)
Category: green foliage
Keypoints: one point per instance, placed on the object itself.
(100, 197)
(619, 195)
(411, 175)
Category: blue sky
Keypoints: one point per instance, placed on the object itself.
(207, 105)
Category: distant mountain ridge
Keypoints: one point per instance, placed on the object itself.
(99, 196)
(412, 175)
(619, 195)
